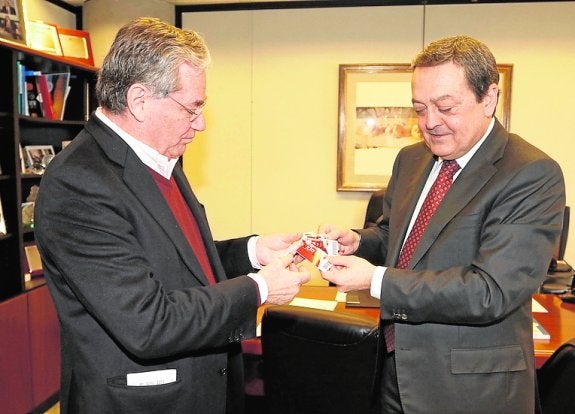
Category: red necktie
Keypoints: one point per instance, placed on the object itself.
(433, 199)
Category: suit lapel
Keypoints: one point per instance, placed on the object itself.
(200, 215)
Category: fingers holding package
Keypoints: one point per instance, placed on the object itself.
(283, 279)
(347, 239)
(349, 273)
(270, 246)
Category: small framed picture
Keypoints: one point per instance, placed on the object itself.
(33, 260)
(76, 45)
(12, 27)
(37, 158)
(44, 37)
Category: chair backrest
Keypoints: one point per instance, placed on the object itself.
(318, 361)
(556, 381)
(374, 209)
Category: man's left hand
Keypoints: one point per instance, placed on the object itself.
(349, 273)
(274, 245)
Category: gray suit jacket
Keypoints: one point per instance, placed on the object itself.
(130, 294)
(463, 332)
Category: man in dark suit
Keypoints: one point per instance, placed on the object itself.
(456, 311)
(152, 310)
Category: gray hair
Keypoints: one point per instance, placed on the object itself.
(147, 51)
(472, 55)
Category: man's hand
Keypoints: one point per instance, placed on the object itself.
(348, 240)
(274, 245)
(349, 273)
(284, 279)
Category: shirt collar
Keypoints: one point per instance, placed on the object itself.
(149, 156)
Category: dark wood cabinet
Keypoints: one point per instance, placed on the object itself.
(18, 131)
(29, 352)
(16, 372)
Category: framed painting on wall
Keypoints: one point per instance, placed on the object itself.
(376, 120)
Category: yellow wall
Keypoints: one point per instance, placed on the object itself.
(267, 161)
(103, 18)
(49, 13)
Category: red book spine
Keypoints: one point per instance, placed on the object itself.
(44, 90)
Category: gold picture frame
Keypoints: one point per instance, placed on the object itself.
(12, 26)
(376, 120)
(43, 37)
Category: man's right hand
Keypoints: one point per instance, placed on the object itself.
(284, 279)
(348, 240)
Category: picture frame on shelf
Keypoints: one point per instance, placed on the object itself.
(76, 45)
(376, 119)
(22, 159)
(28, 214)
(33, 260)
(37, 158)
(12, 26)
(43, 37)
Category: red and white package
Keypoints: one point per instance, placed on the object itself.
(316, 248)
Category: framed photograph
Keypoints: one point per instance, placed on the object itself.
(44, 37)
(76, 45)
(33, 260)
(376, 120)
(37, 158)
(12, 27)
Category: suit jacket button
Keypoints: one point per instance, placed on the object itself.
(223, 372)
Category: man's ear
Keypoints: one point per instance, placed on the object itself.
(136, 98)
(490, 100)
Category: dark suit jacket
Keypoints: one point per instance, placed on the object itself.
(463, 332)
(130, 294)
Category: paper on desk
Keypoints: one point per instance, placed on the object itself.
(341, 296)
(536, 307)
(314, 303)
(539, 332)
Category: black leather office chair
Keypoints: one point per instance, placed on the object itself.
(556, 381)
(373, 211)
(318, 361)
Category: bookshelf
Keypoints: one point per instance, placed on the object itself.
(20, 130)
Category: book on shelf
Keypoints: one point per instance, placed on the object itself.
(59, 84)
(42, 94)
(2, 221)
(33, 98)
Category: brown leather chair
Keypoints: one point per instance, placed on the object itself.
(318, 361)
(374, 209)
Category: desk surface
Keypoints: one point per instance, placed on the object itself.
(559, 321)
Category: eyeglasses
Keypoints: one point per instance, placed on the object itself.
(193, 113)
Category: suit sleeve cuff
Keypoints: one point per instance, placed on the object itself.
(262, 287)
(252, 252)
(376, 281)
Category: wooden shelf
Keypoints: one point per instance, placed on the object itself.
(18, 131)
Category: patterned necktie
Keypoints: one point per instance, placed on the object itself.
(438, 190)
